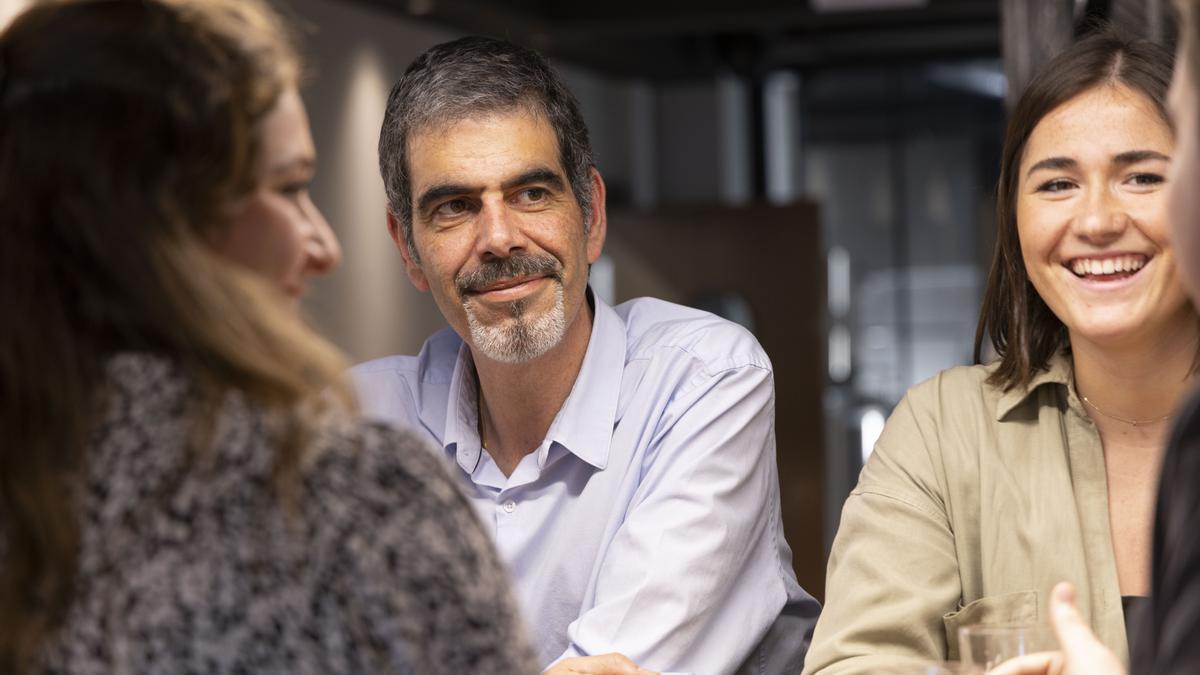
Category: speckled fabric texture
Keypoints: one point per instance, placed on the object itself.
(191, 564)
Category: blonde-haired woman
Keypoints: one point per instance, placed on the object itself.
(182, 484)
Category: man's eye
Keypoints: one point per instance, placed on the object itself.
(1057, 185)
(533, 194)
(453, 207)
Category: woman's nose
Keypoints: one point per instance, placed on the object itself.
(1103, 218)
(322, 249)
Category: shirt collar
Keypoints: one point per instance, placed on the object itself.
(461, 435)
(585, 422)
(1058, 371)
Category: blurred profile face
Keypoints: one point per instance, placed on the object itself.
(1092, 219)
(1183, 192)
(499, 235)
(276, 230)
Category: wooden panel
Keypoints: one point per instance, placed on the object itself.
(772, 257)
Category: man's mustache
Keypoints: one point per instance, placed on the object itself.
(519, 265)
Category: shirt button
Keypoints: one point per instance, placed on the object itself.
(510, 506)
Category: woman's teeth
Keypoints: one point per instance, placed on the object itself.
(1092, 267)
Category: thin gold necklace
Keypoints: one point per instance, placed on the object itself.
(1132, 422)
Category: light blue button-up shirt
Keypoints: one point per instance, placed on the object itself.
(647, 522)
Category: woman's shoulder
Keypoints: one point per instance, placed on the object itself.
(406, 555)
(382, 470)
(943, 420)
(957, 392)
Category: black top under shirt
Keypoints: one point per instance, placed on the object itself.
(1166, 639)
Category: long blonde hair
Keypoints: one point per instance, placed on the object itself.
(126, 127)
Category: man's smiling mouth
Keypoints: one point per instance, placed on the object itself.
(504, 284)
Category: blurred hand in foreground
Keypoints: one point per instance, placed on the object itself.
(1080, 652)
(604, 664)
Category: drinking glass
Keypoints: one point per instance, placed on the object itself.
(920, 668)
(985, 646)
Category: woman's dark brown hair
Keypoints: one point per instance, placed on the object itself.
(127, 127)
(1022, 329)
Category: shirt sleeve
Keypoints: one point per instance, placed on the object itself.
(893, 571)
(425, 590)
(693, 578)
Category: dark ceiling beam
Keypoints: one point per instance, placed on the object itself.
(582, 20)
(867, 46)
(708, 20)
(695, 42)
(472, 17)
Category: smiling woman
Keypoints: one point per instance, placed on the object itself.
(992, 483)
(1091, 217)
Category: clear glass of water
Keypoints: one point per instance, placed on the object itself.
(985, 646)
(921, 668)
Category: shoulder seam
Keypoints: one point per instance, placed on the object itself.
(901, 500)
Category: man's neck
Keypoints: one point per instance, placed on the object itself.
(519, 401)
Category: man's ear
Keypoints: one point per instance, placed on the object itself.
(415, 274)
(597, 219)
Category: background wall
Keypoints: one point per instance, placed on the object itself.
(355, 52)
(8, 8)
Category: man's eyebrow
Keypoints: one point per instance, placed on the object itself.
(438, 192)
(1053, 163)
(541, 175)
(1135, 156)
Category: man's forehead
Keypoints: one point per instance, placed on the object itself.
(511, 140)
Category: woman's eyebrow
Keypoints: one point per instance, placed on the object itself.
(1135, 156)
(302, 162)
(1054, 163)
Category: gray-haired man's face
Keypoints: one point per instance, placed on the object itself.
(498, 233)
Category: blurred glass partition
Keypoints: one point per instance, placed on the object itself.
(902, 161)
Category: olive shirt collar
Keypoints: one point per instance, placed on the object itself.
(1059, 370)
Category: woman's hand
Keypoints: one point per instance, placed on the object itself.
(1081, 653)
(604, 664)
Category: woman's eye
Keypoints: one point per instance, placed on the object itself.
(1147, 179)
(1057, 185)
(294, 189)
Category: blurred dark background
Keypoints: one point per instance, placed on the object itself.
(820, 171)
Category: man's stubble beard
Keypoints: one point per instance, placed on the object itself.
(520, 337)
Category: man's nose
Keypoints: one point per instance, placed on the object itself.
(499, 230)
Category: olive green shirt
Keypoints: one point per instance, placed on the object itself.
(973, 505)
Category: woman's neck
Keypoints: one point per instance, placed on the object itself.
(1141, 383)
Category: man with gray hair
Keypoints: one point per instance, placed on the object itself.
(622, 457)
